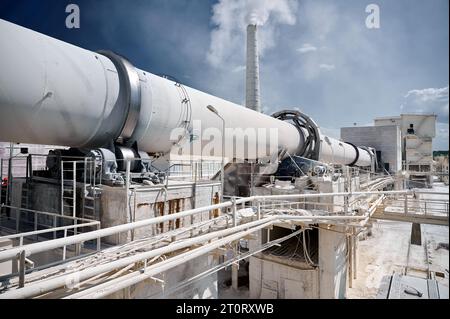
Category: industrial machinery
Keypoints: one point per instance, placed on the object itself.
(103, 107)
(120, 122)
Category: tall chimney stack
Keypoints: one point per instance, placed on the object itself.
(252, 95)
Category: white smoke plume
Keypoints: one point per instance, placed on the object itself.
(231, 17)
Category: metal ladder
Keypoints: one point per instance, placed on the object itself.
(90, 193)
(68, 189)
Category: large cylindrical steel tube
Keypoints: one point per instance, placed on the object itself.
(52, 92)
(55, 93)
(162, 100)
(335, 151)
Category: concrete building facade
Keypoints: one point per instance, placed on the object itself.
(385, 138)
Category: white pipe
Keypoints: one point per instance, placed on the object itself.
(371, 211)
(39, 288)
(33, 289)
(52, 244)
(110, 287)
(334, 217)
(49, 230)
(56, 243)
(217, 268)
(293, 196)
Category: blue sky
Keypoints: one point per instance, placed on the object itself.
(317, 55)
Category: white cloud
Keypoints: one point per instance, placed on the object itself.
(431, 100)
(306, 48)
(231, 18)
(327, 67)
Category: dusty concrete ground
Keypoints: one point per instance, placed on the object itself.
(388, 250)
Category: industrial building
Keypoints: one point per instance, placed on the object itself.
(139, 202)
(403, 143)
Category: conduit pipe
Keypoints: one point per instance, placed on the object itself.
(215, 269)
(121, 283)
(60, 242)
(38, 288)
(56, 243)
(34, 289)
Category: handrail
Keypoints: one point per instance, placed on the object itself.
(60, 242)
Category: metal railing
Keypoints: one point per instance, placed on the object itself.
(195, 170)
(259, 220)
(76, 225)
(410, 205)
(232, 206)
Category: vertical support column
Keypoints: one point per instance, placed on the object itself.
(98, 239)
(258, 209)
(21, 267)
(62, 188)
(83, 195)
(8, 185)
(416, 234)
(234, 210)
(345, 204)
(27, 168)
(216, 200)
(78, 249)
(1, 187)
(350, 261)
(347, 187)
(333, 262)
(64, 247)
(235, 270)
(54, 226)
(36, 224)
(74, 181)
(30, 167)
(406, 204)
(10, 173)
(18, 211)
(355, 255)
(127, 194)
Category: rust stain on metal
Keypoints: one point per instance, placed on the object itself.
(175, 206)
(171, 208)
(160, 210)
(216, 200)
(178, 209)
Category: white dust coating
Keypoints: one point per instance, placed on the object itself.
(231, 17)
